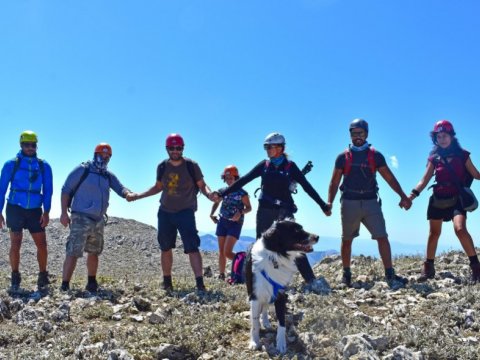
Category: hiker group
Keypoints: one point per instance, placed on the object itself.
(85, 199)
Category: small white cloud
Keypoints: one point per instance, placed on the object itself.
(394, 161)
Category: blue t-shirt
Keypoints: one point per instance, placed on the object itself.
(232, 203)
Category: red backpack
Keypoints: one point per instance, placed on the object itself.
(349, 160)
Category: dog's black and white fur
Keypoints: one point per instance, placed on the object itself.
(269, 270)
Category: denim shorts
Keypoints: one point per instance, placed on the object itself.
(19, 218)
(366, 212)
(182, 221)
(86, 235)
(227, 227)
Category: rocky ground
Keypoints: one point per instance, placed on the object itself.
(131, 318)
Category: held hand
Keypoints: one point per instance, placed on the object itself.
(131, 197)
(215, 196)
(405, 203)
(214, 219)
(44, 220)
(328, 210)
(64, 219)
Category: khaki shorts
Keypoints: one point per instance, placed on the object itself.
(367, 212)
(86, 235)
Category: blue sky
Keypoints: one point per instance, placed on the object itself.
(226, 73)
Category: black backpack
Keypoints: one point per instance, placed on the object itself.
(17, 165)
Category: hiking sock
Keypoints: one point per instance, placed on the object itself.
(167, 282)
(347, 271)
(92, 280)
(473, 259)
(430, 261)
(199, 281)
(390, 273)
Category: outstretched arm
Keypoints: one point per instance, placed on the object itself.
(392, 181)
(472, 169)
(423, 181)
(155, 189)
(334, 183)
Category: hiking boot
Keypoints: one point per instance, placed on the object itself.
(16, 280)
(475, 278)
(396, 282)
(201, 288)
(167, 287)
(221, 276)
(428, 272)
(92, 286)
(42, 280)
(347, 278)
(65, 286)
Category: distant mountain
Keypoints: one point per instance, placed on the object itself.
(210, 243)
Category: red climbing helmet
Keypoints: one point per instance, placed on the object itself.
(174, 140)
(443, 126)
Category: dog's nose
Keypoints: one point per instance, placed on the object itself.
(314, 238)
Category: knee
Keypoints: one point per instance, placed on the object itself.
(347, 243)
(461, 231)
(434, 233)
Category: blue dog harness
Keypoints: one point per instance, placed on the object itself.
(276, 286)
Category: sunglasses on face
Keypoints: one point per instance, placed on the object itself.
(268, 147)
(175, 148)
(357, 133)
(29, 145)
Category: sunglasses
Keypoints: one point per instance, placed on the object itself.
(173, 148)
(29, 145)
(357, 133)
(268, 147)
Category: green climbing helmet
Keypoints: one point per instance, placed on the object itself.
(28, 136)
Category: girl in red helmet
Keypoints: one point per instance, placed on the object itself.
(234, 206)
(451, 165)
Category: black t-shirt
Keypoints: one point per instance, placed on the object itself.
(276, 182)
(360, 183)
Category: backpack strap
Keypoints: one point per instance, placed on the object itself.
(371, 159)
(162, 166)
(16, 166)
(191, 171)
(349, 160)
(86, 171)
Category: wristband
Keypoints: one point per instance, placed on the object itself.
(415, 192)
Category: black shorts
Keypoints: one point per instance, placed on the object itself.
(19, 218)
(447, 214)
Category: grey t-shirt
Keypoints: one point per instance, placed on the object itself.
(179, 190)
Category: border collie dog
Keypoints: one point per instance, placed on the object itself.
(269, 270)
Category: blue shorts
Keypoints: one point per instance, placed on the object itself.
(182, 221)
(19, 218)
(227, 227)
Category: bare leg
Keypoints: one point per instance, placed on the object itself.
(92, 264)
(433, 236)
(460, 227)
(40, 240)
(222, 260)
(385, 252)
(196, 263)
(166, 259)
(69, 267)
(346, 252)
(15, 245)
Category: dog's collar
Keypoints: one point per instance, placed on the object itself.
(276, 286)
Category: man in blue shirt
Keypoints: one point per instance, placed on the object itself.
(31, 186)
